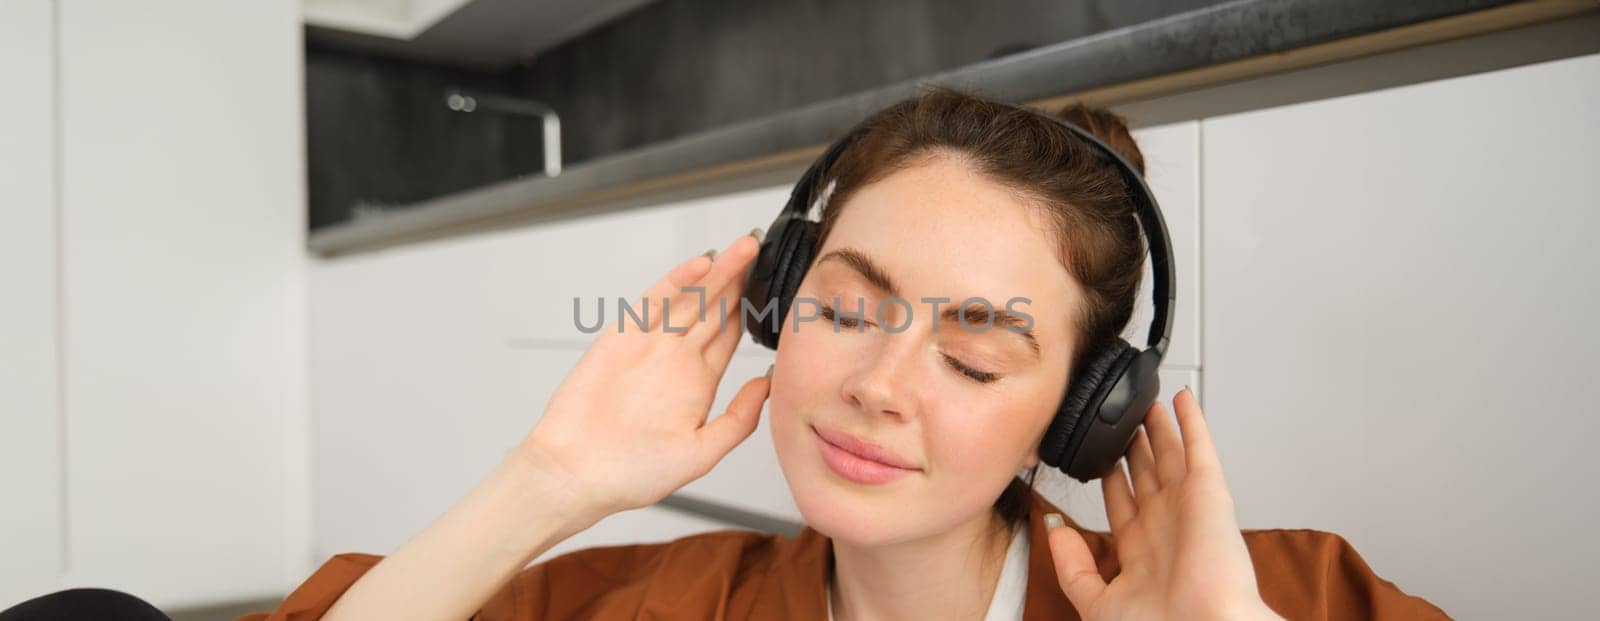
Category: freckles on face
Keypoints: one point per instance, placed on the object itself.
(968, 408)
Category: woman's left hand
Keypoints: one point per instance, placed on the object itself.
(1180, 548)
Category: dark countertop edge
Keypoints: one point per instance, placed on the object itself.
(1212, 36)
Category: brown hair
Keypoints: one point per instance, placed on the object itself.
(1090, 211)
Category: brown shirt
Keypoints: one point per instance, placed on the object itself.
(1302, 574)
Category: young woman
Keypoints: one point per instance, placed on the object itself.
(945, 195)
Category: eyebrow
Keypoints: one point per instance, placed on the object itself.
(975, 313)
(982, 315)
(864, 265)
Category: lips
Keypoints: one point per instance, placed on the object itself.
(863, 449)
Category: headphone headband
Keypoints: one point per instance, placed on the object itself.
(1151, 221)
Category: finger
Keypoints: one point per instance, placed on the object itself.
(723, 342)
(1200, 451)
(1075, 568)
(1120, 507)
(725, 280)
(1168, 448)
(724, 307)
(648, 306)
(724, 432)
(1141, 466)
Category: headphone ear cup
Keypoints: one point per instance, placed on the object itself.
(1084, 394)
(790, 258)
(793, 269)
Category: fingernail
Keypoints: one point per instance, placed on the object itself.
(756, 233)
(1053, 521)
(769, 369)
(711, 254)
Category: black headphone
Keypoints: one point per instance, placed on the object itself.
(1114, 387)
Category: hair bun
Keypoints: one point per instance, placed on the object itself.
(1108, 127)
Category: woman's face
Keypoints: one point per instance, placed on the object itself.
(964, 407)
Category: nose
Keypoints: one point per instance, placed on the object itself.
(882, 382)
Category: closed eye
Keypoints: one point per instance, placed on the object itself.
(982, 377)
(845, 321)
(849, 321)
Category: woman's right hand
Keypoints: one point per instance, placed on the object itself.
(628, 425)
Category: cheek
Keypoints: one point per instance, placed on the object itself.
(986, 438)
(974, 443)
(807, 376)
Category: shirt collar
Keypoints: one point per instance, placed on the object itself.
(801, 588)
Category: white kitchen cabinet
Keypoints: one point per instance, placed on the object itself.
(1397, 337)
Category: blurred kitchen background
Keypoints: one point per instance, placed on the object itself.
(283, 278)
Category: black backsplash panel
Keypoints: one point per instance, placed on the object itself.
(681, 66)
(380, 134)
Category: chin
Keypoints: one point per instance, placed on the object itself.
(847, 516)
(865, 515)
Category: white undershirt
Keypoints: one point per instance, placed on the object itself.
(1006, 605)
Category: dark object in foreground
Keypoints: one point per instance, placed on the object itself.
(73, 604)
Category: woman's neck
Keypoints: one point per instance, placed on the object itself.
(945, 576)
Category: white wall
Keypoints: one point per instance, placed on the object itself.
(30, 450)
(182, 408)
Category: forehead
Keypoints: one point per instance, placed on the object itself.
(942, 229)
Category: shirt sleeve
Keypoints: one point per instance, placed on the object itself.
(611, 582)
(316, 595)
(569, 586)
(1308, 574)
